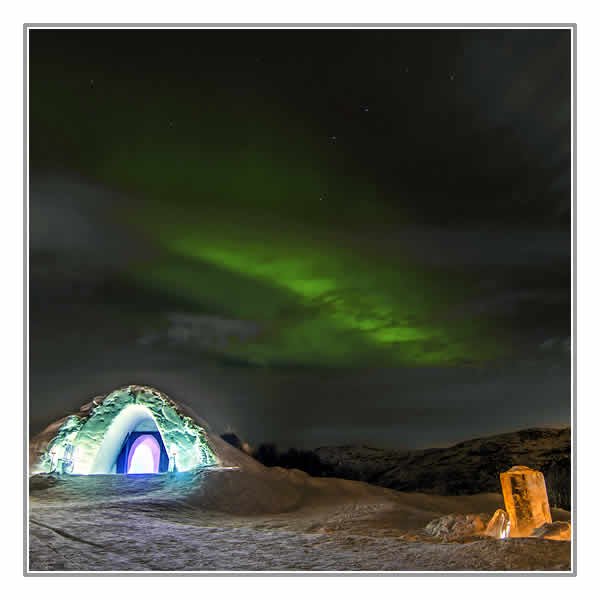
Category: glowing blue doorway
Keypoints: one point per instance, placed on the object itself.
(143, 452)
(144, 455)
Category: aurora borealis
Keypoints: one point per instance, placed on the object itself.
(394, 200)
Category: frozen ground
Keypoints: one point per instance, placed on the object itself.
(263, 519)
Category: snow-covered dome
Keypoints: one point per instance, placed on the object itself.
(134, 429)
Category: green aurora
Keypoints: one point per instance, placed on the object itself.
(250, 215)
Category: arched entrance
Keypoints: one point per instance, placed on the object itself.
(132, 428)
(144, 455)
(143, 452)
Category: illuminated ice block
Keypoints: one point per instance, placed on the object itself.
(499, 525)
(525, 499)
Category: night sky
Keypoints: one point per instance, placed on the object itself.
(310, 236)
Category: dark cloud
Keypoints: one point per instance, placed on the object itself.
(74, 217)
(486, 245)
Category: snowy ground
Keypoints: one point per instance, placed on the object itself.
(266, 520)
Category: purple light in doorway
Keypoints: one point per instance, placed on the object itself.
(144, 455)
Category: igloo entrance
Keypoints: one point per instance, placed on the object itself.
(143, 452)
(143, 456)
(132, 444)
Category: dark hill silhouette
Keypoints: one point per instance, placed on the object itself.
(470, 467)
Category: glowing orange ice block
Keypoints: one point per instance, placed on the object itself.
(526, 500)
(499, 525)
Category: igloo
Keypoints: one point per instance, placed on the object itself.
(132, 430)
